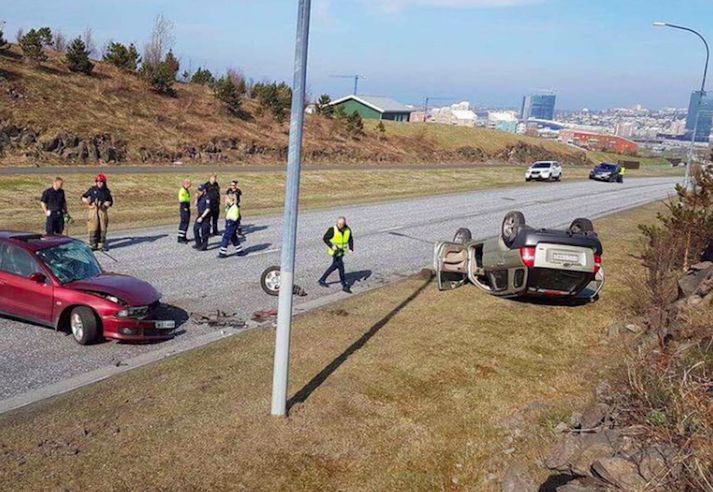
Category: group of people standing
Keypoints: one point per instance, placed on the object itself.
(208, 204)
(97, 199)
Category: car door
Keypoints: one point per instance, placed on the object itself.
(23, 293)
(451, 264)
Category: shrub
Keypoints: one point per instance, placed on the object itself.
(226, 90)
(354, 124)
(162, 75)
(273, 98)
(203, 77)
(381, 128)
(33, 42)
(78, 57)
(324, 106)
(119, 55)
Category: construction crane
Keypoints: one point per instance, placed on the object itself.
(356, 78)
(429, 99)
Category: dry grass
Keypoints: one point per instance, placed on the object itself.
(403, 388)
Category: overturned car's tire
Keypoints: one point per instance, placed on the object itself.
(581, 226)
(462, 236)
(512, 223)
(270, 281)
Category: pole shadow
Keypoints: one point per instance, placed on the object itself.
(309, 388)
(125, 242)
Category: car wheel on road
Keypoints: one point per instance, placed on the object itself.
(270, 281)
(83, 325)
(558, 178)
(581, 226)
(619, 179)
(512, 223)
(462, 236)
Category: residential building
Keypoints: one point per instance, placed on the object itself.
(598, 141)
(374, 107)
(538, 106)
(459, 114)
(503, 120)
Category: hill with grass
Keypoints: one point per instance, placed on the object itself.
(51, 115)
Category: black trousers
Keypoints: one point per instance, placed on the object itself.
(55, 223)
(213, 217)
(201, 231)
(185, 214)
(337, 264)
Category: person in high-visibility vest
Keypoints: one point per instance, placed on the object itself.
(338, 239)
(230, 235)
(184, 210)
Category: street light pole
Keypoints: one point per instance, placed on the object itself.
(691, 148)
(292, 194)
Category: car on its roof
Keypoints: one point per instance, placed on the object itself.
(606, 171)
(524, 261)
(57, 281)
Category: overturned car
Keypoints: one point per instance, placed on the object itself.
(524, 261)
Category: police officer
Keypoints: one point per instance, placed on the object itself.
(98, 200)
(235, 191)
(184, 209)
(338, 239)
(201, 227)
(213, 190)
(230, 235)
(54, 205)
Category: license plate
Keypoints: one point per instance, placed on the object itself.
(565, 258)
(165, 325)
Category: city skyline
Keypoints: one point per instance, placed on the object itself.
(489, 52)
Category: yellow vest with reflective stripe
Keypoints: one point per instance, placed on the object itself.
(340, 240)
(184, 196)
(232, 212)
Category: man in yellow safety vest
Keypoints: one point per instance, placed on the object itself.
(184, 210)
(338, 239)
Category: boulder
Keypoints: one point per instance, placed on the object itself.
(689, 283)
(594, 416)
(518, 479)
(618, 472)
(584, 484)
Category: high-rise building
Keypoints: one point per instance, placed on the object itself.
(538, 106)
(700, 107)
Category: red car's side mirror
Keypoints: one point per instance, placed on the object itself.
(40, 278)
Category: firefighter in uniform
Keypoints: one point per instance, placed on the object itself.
(201, 227)
(184, 209)
(54, 205)
(338, 239)
(98, 200)
(230, 235)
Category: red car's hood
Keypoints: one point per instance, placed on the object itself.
(133, 291)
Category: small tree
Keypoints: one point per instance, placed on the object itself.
(203, 77)
(125, 58)
(227, 91)
(33, 42)
(381, 129)
(273, 98)
(59, 41)
(324, 106)
(88, 40)
(78, 57)
(354, 124)
(172, 63)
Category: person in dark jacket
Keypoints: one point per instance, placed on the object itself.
(98, 200)
(54, 205)
(338, 239)
(212, 189)
(201, 227)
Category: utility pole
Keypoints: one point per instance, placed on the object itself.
(691, 148)
(292, 193)
(356, 78)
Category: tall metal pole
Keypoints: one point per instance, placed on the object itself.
(356, 84)
(292, 194)
(691, 148)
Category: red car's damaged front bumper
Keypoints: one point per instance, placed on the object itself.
(137, 330)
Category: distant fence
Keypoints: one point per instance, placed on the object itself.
(630, 164)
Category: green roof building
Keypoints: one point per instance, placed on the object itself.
(374, 108)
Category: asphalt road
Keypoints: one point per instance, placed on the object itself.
(390, 238)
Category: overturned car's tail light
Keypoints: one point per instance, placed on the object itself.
(527, 255)
(597, 263)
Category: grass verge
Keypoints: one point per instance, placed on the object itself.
(150, 199)
(401, 388)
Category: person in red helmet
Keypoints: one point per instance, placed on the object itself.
(98, 200)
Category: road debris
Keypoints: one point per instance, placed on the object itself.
(219, 319)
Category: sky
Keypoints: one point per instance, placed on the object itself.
(594, 53)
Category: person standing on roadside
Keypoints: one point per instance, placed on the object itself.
(230, 235)
(98, 200)
(184, 210)
(201, 227)
(338, 239)
(54, 205)
(213, 190)
(235, 191)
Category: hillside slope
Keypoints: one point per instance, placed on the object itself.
(51, 115)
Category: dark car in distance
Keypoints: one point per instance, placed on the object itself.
(607, 172)
(57, 281)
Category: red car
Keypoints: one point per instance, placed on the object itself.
(57, 281)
